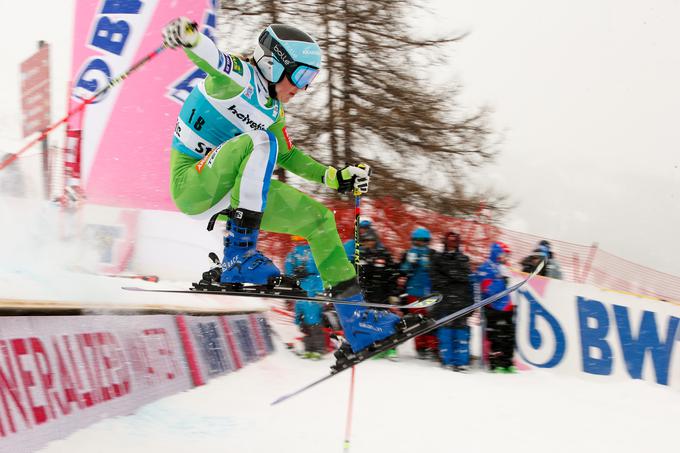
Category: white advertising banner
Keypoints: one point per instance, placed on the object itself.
(582, 330)
(223, 344)
(59, 374)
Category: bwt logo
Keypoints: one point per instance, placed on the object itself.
(546, 349)
(611, 337)
(111, 37)
(596, 325)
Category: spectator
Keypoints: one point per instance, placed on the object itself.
(543, 251)
(415, 267)
(492, 277)
(365, 225)
(451, 277)
(308, 315)
(377, 272)
(377, 275)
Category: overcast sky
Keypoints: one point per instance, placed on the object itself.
(586, 94)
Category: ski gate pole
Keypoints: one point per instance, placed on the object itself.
(350, 403)
(113, 82)
(350, 407)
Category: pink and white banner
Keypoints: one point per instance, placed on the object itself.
(127, 133)
(59, 374)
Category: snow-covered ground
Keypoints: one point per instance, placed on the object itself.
(410, 406)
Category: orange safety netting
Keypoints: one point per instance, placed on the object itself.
(395, 221)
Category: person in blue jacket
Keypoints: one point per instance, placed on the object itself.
(308, 315)
(493, 278)
(365, 226)
(415, 267)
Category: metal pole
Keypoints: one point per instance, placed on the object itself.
(113, 82)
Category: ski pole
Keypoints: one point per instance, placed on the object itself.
(113, 82)
(350, 407)
(357, 220)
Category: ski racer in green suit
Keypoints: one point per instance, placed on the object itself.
(230, 134)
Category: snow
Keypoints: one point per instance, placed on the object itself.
(409, 406)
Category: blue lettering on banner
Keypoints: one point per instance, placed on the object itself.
(243, 336)
(208, 338)
(594, 322)
(121, 7)
(96, 74)
(536, 340)
(110, 35)
(594, 338)
(179, 91)
(634, 350)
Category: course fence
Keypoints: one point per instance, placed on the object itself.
(394, 222)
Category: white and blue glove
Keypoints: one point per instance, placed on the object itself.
(181, 32)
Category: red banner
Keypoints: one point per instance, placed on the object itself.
(35, 92)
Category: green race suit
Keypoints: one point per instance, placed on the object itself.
(229, 136)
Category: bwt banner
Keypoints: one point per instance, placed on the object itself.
(127, 133)
(579, 329)
(59, 374)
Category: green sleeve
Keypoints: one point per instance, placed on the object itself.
(293, 159)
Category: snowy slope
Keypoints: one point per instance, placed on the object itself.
(411, 406)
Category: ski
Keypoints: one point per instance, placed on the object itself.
(414, 331)
(283, 293)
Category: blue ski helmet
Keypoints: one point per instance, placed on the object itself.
(421, 234)
(286, 50)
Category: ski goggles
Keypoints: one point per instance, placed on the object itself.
(299, 74)
(302, 76)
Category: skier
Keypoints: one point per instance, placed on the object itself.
(415, 266)
(229, 136)
(451, 277)
(492, 277)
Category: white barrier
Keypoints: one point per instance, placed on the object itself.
(59, 374)
(581, 330)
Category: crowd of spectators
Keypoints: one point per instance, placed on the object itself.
(420, 271)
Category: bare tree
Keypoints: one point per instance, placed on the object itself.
(376, 103)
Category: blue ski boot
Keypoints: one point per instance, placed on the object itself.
(242, 263)
(362, 326)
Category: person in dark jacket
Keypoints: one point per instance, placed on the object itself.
(450, 274)
(542, 252)
(493, 278)
(378, 275)
(377, 271)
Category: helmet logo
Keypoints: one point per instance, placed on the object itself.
(283, 55)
